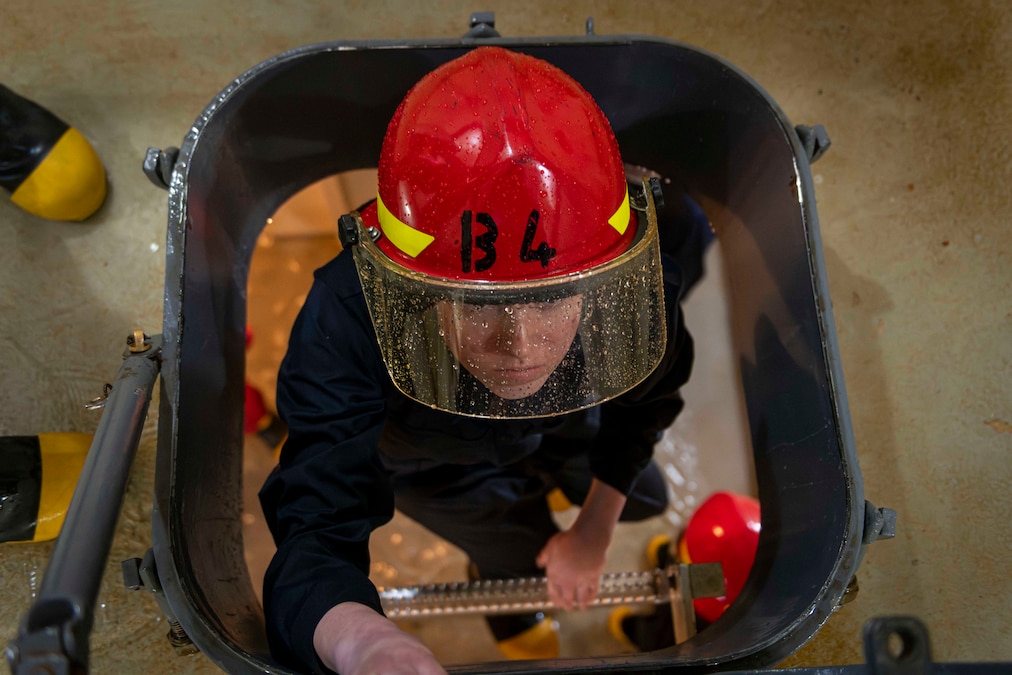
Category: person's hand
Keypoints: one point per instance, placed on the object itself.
(573, 565)
(353, 639)
(574, 560)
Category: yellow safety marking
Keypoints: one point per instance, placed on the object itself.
(403, 236)
(68, 184)
(63, 456)
(620, 219)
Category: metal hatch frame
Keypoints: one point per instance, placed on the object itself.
(322, 109)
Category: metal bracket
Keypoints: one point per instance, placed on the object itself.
(878, 523)
(347, 230)
(99, 402)
(686, 583)
(137, 342)
(49, 648)
(814, 139)
(482, 26)
(655, 189)
(638, 198)
(158, 165)
(897, 645)
(850, 592)
(142, 574)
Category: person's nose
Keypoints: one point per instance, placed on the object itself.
(516, 332)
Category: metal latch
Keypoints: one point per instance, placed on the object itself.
(141, 574)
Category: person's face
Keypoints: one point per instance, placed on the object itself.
(511, 349)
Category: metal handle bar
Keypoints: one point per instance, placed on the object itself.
(53, 636)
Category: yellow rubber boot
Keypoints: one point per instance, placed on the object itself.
(48, 166)
(540, 641)
(37, 481)
(616, 628)
(658, 550)
(558, 501)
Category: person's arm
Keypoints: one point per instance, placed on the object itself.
(630, 426)
(353, 639)
(330, 489)
(574, 559)
(635, 421)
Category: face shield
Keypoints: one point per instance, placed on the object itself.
(520, 348)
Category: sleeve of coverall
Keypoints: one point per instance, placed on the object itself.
(633, 423)
(329, 490)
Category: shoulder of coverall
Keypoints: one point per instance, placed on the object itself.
(341, 277)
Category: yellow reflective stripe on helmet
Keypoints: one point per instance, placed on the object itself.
(403, 236)
(620, 219)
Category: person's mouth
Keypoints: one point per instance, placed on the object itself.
(519, 374)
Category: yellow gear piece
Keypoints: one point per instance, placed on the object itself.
(615, 619)
(540, 641)
(278, 446)
(63, 456)
(683, 552)
(68, 184)
(654, 547)
(558, 501)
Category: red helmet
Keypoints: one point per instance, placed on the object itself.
(505, 273)
(498, 166)
(724, 529)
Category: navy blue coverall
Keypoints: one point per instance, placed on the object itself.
(357, 448)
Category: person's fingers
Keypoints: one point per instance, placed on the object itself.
(584, 594)
(563, 597)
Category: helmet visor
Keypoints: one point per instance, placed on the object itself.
(522, 348)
